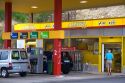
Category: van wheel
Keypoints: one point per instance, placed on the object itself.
(4, 73)
(23, 74)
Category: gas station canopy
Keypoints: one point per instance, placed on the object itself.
(34, 6)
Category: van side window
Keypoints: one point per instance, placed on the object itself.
(23, 55)
(0, 55)
(15, 55)
(4, 55)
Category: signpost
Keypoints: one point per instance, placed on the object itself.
(34, 35)
(44, 34)
(20, 43)
(14, 35)
(24, 35)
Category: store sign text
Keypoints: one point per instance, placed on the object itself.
(103, 23)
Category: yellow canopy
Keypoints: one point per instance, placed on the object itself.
(48, 5)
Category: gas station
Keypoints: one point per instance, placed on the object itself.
(85, 40)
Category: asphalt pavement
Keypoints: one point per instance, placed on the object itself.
(78, 77)
(94, 80)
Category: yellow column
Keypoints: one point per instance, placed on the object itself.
(69, 42)
(100, 54)
(122, 53)
(18, 35)
(28, 35)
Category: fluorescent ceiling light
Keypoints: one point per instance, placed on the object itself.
(34, 7)
(83, 1)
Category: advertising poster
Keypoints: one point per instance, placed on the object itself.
(21, 43)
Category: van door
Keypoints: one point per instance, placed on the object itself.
(24, 61)
(4, 59)
(15, 61)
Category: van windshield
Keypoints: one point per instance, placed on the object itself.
(15, 55)
(23, 55)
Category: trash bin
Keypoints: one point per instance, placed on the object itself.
(50, 67)
(66, 67)
(67, 63)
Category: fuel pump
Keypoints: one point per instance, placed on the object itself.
(36, 60)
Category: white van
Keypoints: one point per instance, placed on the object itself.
(14, 61)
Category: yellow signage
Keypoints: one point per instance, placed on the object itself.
(33, 26)
(108, 22)
(123, 21)
(76, 24)
(6, 35)
(59, 34)
(72, 24)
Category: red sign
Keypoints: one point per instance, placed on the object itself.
(68, 48)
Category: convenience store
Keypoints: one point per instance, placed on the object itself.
(105, 33)
(92, 37)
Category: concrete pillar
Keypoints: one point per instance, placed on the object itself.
(57, 42)
(8, 22)
(31, 17)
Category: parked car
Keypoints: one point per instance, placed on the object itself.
(14, 61)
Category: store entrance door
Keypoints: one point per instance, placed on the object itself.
(116, 50)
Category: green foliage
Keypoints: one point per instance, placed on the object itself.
(1, 40)
(42, 17)
(1, 15)
(20, 17)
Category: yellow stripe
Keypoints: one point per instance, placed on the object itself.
(71, 24)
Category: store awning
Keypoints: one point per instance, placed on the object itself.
(33, 6)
